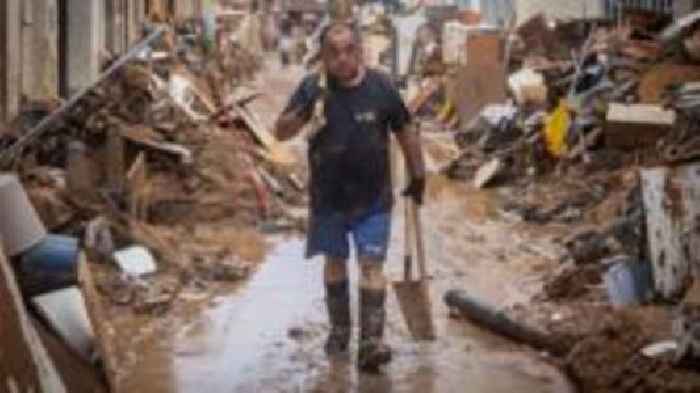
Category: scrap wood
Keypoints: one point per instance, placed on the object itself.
(181, 72)
(423, 94)
(274, 185)
(659, 78)
(471, 92)
(642, 50)
(262, 135)
(680, 27)
(138, 188)
(181, 93)
(679, 152)
(260, 192)
(8, 157)
(237, 99)
(114, 151)
(584, 145)
(104, 341)
(145, 136)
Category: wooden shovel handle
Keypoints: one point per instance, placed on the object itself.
(420, 246)
(408, 251)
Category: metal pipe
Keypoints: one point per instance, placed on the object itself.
(11, 153)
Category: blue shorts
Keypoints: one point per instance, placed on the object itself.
(329, 235)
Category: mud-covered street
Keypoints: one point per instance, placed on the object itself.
(268, 335)
(166, 166)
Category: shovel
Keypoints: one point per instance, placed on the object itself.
(414, 295)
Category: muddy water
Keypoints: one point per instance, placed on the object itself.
(269, 336)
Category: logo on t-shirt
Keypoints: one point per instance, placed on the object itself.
(367, 117)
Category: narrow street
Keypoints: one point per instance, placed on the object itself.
(153, 223)
(269, 335)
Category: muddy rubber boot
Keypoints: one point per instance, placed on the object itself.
(338, 305)
(373, 352)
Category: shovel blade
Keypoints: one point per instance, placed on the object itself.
(415, 305)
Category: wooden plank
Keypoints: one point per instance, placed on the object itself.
(138, 188)
(485, 49)
(672, 206)
(25, 365)
(114, 165)
(637, 125)
(657, 80)
(471, 91)
(78, 375)
(105, 347)
(260, 132)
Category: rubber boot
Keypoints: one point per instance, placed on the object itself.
(373, 352)
(338, 305)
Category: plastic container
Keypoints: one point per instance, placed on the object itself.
(50, 265)
(628, 282)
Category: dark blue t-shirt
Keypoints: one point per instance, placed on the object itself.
(349, 157)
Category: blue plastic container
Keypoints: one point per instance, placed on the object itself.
(50, 265)
(629, 282)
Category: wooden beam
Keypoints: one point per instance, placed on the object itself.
(11, 58)
(672, 206)
(103, 343)
(138, 188)
(78, 374)
(25, 364)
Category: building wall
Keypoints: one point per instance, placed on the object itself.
(45, 51)
(40, 49)
(84, 37)
(186, 9)
(497, 12)
(115, 39)
(11, 59)
(684, 7)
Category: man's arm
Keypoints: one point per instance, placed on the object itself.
(298, 110)
(410, 143)
(290, 123)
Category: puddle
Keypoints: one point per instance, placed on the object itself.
(243, 344)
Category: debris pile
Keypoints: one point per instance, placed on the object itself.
(603, 95)
(596, 138)
(162, 155)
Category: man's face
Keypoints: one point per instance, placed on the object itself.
(341, 55)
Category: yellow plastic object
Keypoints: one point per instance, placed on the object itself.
(446, 111)
(556, 128)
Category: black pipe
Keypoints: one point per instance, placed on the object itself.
(491, 318)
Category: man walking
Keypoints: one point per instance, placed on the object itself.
(351, 190)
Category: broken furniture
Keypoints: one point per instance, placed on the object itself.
(637, 125)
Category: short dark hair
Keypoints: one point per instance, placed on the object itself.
(352, 27)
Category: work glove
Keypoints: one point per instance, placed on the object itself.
(415, 190)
